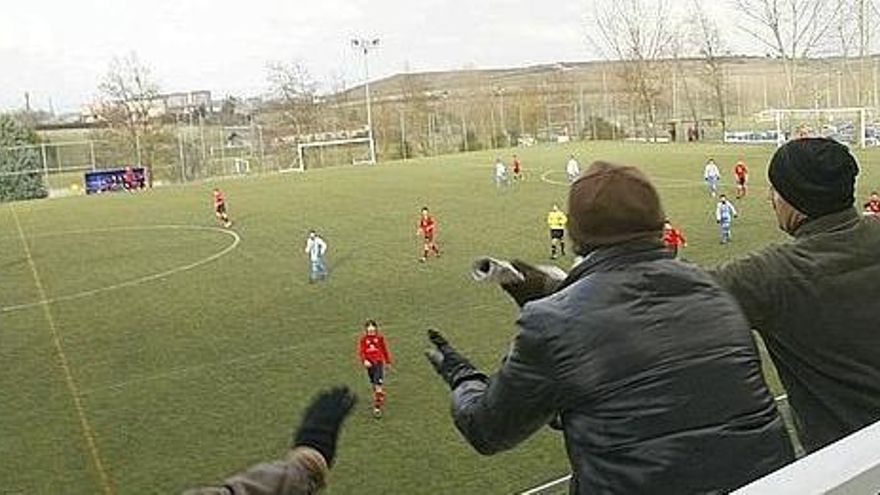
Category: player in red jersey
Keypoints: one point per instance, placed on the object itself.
(517, 168)
(220, 208)
(741, 173)
(872, 207)
(427, 229)
(374, 356)
(673, 238)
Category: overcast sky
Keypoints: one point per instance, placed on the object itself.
(59, 49)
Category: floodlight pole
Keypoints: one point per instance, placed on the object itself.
(364, 45)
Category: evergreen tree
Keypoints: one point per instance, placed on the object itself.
(20, 174)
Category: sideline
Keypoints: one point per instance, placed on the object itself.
(76, 395)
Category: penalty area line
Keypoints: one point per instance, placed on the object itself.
(87, 430)
(660, 182)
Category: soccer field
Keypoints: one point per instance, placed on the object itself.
(145, 350)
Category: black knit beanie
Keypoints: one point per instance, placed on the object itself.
(815, 175)
(610, 204)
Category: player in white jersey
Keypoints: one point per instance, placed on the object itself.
(316, 248)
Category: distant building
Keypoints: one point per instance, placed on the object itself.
(169, 104)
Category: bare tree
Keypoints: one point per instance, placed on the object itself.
(705, 39)
(130, 108)
(638, 33)
(792, 30)
(683, 73)
(296, 94)
(853, 31)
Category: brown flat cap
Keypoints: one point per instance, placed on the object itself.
(610, 204)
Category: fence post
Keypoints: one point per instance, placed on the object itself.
(137, 148)
(262, 148)
(45, 163)
(182, 158)
(92, 153)
(464, 133)
(402, 135)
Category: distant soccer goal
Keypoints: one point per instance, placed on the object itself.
(848, 124)
(318, 154)
(233, 149)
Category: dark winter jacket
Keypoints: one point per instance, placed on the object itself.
(652, 371)
(816, 303)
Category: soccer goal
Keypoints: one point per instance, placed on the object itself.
(845, 124)
(233, 149)
(318, 154)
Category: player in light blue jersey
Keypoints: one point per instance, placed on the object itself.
(316, 248)
(724, 215)
(712, 176)
(500, 175)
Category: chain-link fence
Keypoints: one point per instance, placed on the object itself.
(175, 154)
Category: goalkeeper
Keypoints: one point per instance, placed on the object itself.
(646, 365)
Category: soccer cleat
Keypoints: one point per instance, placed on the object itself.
(423, 259)
(377, 413)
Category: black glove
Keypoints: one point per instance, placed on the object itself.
(537, 283)
(449, 364)
(321, 421)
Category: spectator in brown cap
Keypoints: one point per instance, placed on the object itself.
(644, 362)
(815, 300)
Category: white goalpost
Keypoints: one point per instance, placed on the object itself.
(842, 123)
(348, 156)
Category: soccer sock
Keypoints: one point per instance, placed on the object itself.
(562, 247)
(553, 250)
(378, 399)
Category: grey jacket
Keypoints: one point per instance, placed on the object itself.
(652, 371)
(816, 303)
(303, 471)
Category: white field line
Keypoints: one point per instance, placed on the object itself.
(661, 182)
(566, 478)
(87, 430)
(236, 239)
(547, 485)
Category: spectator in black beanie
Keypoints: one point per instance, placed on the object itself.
(815, 300)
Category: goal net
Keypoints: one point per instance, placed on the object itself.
(234, 150)
(848, 124)
(319, 154)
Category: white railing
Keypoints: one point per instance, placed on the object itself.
(850, 466)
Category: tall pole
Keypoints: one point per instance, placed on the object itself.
(503, 121)
(674, 92)
(369, 109)
(839, 88)
(365, 45)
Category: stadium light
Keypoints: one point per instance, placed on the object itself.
(365, 45)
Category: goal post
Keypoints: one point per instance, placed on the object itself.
(342, 151)
(849, 124)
